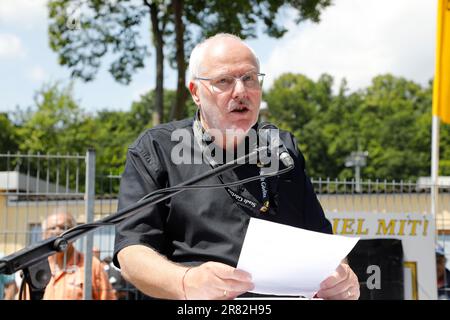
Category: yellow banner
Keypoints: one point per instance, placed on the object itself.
(441, 85)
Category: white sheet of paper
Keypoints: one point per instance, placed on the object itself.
(285, 260)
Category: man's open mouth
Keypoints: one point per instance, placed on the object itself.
(240, 109)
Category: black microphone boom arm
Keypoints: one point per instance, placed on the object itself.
(33, 259)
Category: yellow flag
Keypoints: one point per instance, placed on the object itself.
(441, 85)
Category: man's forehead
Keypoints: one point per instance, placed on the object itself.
(234, 70)
(228, 55)
(57, 219)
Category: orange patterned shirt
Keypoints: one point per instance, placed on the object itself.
(67, 284)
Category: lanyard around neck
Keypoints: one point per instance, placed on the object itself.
(203, 140)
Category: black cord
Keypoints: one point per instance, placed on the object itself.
(216, 186)
(85, 226)
(178, 188)
(22, 289)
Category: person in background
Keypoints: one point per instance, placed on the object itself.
(443, 275)
(96, 253)
(67, 278)
(8, 287)
(123, 289)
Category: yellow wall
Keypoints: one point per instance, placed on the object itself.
(16, 217)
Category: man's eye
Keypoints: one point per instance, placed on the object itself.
(250, 77)
(224, 80)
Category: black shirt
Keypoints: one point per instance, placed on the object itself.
(202, 225)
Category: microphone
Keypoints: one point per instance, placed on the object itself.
(269, 134)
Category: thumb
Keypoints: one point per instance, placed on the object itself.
(228, 272)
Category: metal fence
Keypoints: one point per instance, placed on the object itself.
(32, 186)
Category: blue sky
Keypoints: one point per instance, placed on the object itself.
(357, 39)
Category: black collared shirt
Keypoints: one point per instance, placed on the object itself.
(197, 226)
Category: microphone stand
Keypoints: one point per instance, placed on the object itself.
(33, 259)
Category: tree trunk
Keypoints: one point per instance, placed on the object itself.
(180, 99)
(158, 110)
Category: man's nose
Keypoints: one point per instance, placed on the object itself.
(239, 89)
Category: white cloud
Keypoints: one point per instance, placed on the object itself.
(11, 46)
(23, 13)
(360, 39)
(37, 74)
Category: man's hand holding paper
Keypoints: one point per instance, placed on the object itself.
(284, 260)
(341, 285)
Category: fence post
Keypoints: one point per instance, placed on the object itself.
(89, 212)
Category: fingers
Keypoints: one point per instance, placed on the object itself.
(231, 282)
(224, 271)
(341, 285)
(341, 273)
(352, 293)
(340, 289)
(227, 295)
(228, 289)
(234, 288)
(213, 280)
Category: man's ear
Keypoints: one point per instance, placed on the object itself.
(193, 89)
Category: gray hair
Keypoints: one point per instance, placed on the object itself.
(198, 52)
(70, 220)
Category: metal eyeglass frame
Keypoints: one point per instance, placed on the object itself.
(258, 74)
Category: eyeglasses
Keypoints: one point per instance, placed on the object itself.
(250, 80)
(58, 227)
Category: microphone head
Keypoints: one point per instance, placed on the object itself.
(267, 125)
(269, 135)
(266, 133)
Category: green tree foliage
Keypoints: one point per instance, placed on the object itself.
(141, 111)
(8, 135)
(85, 32)
(82, 32)
(444, 163)
(56, 125)
(9, 141)
(391, 119)
(298, 104)
(394, 126)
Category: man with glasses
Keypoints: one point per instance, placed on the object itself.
(67, 268)
(188, 246)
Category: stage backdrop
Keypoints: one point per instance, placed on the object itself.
(415, 232)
